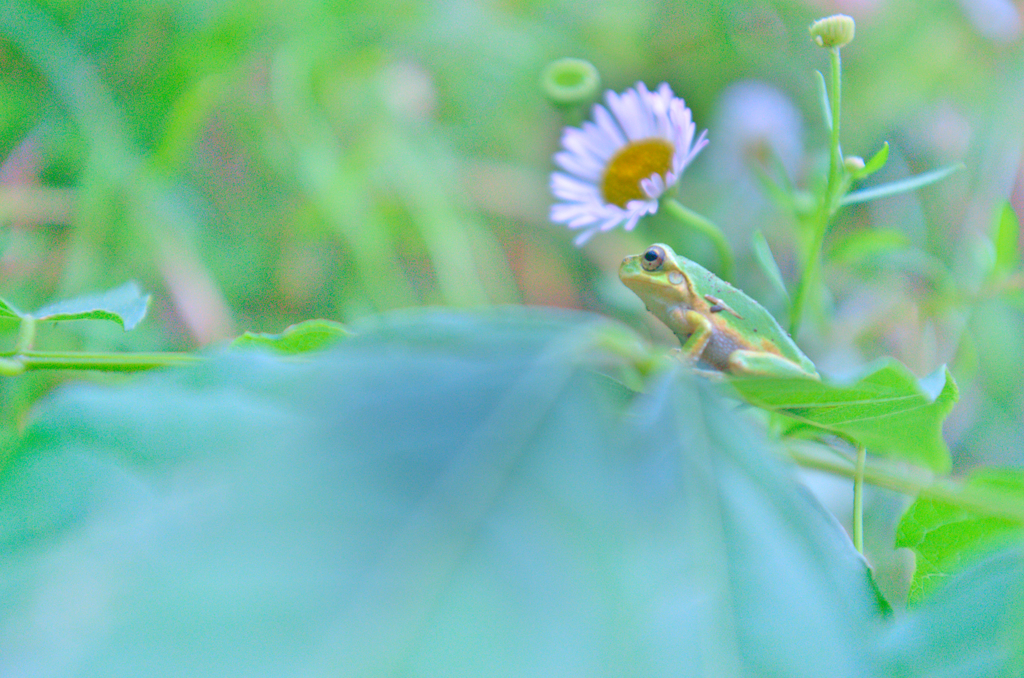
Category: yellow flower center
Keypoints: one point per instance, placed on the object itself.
(634, 162)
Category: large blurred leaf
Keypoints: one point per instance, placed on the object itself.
(888, 410)
(440, 495)
(946, 537)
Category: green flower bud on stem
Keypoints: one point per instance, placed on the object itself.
(853, 163)
(833, 32)
(570, 82)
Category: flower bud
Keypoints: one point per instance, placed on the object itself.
(853, 163)
(833, 31)
(570, 82)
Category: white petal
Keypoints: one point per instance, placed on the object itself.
(648, 105)
(642, 207)
(578, 142)
(653, 186)
(584, 237)
(578, 214)
(628, 112)
(632, 221)
(572, 189)
(612, 221)
(607, 124)
(580, 166)
(582, 220)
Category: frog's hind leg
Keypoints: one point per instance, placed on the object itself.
(759, 363)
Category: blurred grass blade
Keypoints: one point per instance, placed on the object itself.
(125, 305)
(1005, 238)
(766, 260)
(902, 186)
(826, 107)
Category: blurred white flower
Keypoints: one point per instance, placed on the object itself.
(617, 166)
(995, 19)
(756, 122)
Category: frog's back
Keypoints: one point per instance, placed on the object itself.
(756, 320)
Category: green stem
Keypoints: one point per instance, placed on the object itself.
(706, 227)
(829, 203)
(858, 500)
(26, 334)
(835, 157)
(810, 272)
(911, 482)
(103, 362)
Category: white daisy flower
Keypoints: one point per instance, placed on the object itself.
(617, 166)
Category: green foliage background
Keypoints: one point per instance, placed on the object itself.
(254, 164)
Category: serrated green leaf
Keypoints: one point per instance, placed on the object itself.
(888, 410)
(902, 186)
(826, 107)
(946, 537)
(1005, 239)
(304, 337)
(442, 494)
(876, 163)
(766, 260)
(125, 305)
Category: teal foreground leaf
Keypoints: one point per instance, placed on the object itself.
(126, 305)
(444, 495)
(888, 410)
(305, 337)
(946, 537)
(972, 627)
(438, 495)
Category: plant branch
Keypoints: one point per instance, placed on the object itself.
(911, 481)
(103, 362)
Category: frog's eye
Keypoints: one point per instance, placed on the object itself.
(653, 258)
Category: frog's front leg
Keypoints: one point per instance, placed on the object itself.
(762, 364)
(699, 330)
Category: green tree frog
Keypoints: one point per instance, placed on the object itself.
(718, 325)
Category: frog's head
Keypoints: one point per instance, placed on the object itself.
(655, 275)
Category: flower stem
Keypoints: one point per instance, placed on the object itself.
(26, 334)
(706, 227)
(829, 203)
(858, 500)
(835, 156)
